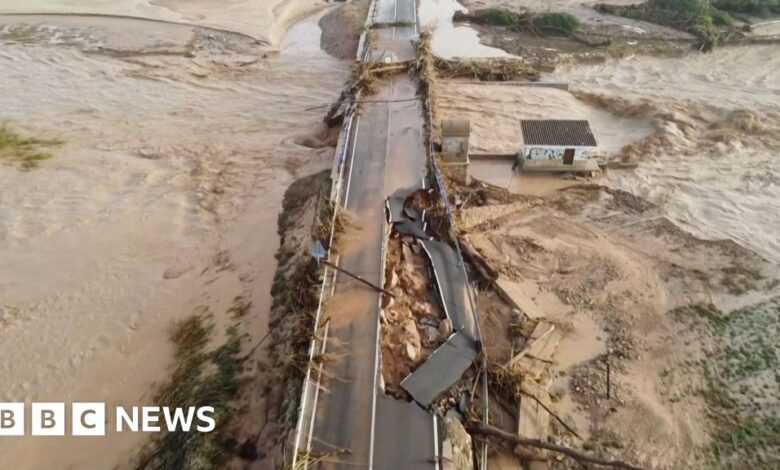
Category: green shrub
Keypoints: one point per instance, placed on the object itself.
(23, 151)
(720, 18)
(557, 22)
(690, 8)
(498, 17)
(758, 7)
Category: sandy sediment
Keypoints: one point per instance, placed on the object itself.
(609, 269)
(342, 27)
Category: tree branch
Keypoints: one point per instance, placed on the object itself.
(480, 428)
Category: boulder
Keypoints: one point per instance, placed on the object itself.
(457, 455)
(422, 309)
(445, 328)
(393, 281)
(430, 336)
(406, 253)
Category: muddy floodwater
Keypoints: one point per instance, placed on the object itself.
(161, 202)
(713, 166)
(451, 41)
(266, 20)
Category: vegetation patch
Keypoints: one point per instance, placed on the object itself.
(698, 17)
(203, 376)
(496, 17)
(757, 7)
(23, 151)
(741, 382)
(558, 23)
(550, 22)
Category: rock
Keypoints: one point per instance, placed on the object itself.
(430, 336)
(412, 281)
(422, 309)
(412, 351)
(457, 453)
(445, 328)
(393, 279)
(406, 254)
(406, 338)
(517, 316)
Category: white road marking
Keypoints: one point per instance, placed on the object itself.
(317, 391)
(352, 162)
(382, 281)
(435, 444)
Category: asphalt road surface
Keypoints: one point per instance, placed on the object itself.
(355, 423)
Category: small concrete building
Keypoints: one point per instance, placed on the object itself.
(558, 145)
(455, 147)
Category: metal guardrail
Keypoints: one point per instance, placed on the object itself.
(337, 175)
(474, 308)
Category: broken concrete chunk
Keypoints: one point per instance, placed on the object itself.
(430, 320)
(430, 336)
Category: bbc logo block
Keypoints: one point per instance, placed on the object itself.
(89, 419)
(11, 419)
(49, 419)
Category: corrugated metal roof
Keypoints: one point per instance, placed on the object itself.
(557, 132)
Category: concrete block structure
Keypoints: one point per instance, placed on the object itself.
(455, 147)
(558, 145)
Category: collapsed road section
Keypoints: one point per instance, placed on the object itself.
(346, 419)
(445, 366)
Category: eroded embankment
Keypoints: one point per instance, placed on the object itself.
(306, 216)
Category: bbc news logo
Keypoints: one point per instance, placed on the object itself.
(89, 419)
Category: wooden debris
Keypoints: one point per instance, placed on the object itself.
(512, 293)
(482, 429)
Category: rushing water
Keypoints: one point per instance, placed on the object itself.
(722, 181)
(171, 163)
(716, 174)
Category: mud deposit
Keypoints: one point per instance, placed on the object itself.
(161, 202)
(609, 269)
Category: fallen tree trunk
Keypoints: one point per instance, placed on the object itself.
(485, 270)
(480, 428)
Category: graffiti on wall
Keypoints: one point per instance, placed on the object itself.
(554, 153)
(539, 153)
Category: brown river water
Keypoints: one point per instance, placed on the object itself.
(161, 202)
(713, 162)
(710, 161)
